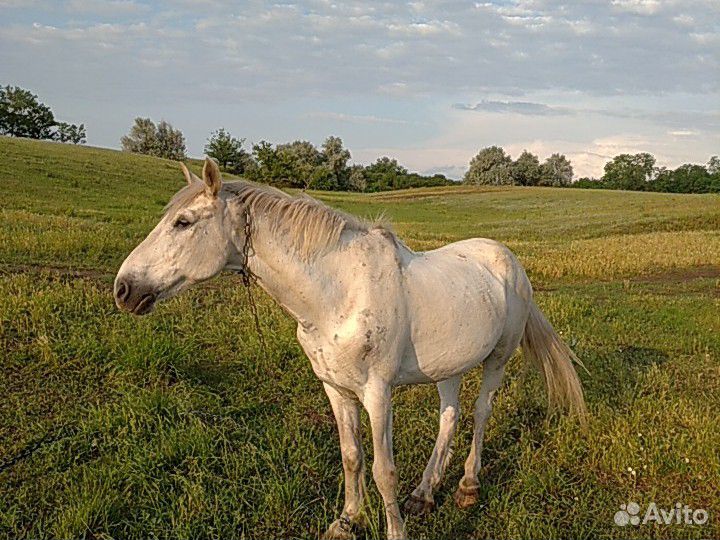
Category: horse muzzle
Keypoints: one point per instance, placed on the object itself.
(133, 297)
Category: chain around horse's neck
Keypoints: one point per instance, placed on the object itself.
(248, 278)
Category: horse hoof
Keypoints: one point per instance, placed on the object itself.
(416, 505)
(466, 497)
(340, 529)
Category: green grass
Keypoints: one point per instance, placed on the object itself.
(180, 425)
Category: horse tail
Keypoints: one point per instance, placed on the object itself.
(549, 353)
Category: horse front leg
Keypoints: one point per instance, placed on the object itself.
(376, 400)
(347, 415)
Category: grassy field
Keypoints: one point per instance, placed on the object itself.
(179, 424)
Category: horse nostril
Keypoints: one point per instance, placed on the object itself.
(145, 304)
(123, 291)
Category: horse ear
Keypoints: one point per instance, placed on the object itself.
(212, 177)
(188, 175)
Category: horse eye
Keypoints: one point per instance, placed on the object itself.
(181, 223)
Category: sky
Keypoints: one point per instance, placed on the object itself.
(429, 83)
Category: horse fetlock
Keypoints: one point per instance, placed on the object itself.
(337, 532)
(419, 505)
(467, 494)
(344, 528)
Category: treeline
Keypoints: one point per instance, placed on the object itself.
(637, 172)
(302, 165)
(23, 115)
(634, 172)
(494, 167)
(297, 164)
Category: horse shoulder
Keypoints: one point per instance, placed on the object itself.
(363, 333)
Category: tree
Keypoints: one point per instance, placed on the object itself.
(713, 169)
(161, 141)
(270, 167)
(356, 179)
(70, 133)
(384, 174)
(336, 158)
(22, 115)
(293, 164)
(264, 155)
(713, 165)
(249, 166)
(630, 171)
(490, 166)
(170, 142)
(142, 138)
(299, 159)
(228, 151)
(323, 178)
(556, 171)
(526, 170)
(588, 183)
(662, 180)
(691, 178)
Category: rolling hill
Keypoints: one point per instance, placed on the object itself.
(181, 425)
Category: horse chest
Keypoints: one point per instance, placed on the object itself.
(330, 358)
(347, 353)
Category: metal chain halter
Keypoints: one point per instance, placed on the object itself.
(249, 279)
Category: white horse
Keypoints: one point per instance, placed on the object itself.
(371, 313)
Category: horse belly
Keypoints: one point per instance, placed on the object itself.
(457, 312)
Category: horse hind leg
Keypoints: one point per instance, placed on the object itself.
(468, 491)
(421, 500)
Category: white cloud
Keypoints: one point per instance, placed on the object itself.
(706, 38)
(514, 107)
(424, 28)
(683, 133)
(17, 3)
(398, 89)
(645, 7)
(106, 7)
(453, 47)
(683, 19)
(355, 118)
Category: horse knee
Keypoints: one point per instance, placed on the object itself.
(352, 460)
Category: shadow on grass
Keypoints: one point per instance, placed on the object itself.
(613, 379)
(619, 370)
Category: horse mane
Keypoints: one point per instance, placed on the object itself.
(311, 226)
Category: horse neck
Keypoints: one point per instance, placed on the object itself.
(304, 287)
